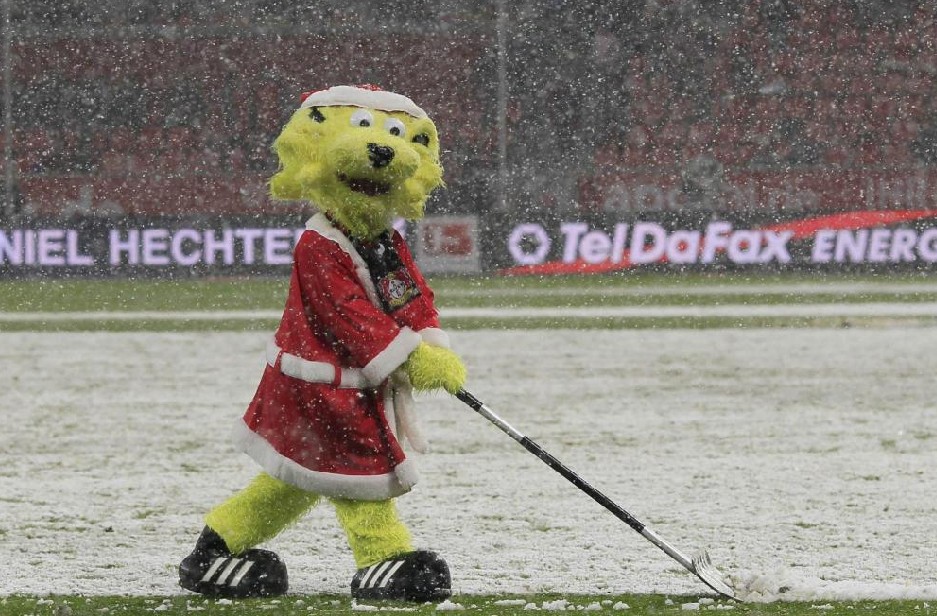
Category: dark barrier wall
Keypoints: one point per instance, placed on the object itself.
(506, 244)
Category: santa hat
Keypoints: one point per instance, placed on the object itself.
(367, 96)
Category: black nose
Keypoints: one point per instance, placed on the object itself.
(380, 155)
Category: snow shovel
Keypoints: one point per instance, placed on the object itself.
(701, 566)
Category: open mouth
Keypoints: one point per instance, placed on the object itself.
(364, 186)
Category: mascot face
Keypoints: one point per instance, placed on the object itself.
(362, 156)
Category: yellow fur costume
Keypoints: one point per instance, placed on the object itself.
(363, 157)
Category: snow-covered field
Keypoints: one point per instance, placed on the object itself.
(802, 458)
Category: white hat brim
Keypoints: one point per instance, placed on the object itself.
(351, 96)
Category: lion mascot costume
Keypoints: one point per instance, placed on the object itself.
(358, 334)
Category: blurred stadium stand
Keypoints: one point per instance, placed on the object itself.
(149, 107)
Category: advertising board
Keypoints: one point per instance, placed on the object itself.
(860, 238)
(499, 243)
(447, 245)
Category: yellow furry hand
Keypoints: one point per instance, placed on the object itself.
(431, 367)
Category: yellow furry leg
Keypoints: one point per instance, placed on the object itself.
(374, 531)
(259, 512)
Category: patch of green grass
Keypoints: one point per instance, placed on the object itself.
(139, 325)
(888, 444)
(269, 293)
(676, 279)
(51, 295)
(143, 514)
(30, 305)
(595, 299)
(472, 323)
(469, 323)
(295, 605)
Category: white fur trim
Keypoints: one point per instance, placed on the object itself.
(392, 357)
(333, 485)
(405, 419)
(314, 371)
(435, 337)
(350, 96)
(323, 226)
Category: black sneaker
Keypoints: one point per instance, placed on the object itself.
(211, 569)
(416, 576)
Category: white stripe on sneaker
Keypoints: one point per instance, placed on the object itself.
(228, 571)
(367, 575)
(374, 575)
(240, 574)
(215, 565)
(390, 574)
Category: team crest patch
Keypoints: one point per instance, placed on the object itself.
(397, 289)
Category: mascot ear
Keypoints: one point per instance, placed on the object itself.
(289, 182)
(298, 160)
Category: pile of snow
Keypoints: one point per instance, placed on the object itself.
(787, 585)
(807, 454)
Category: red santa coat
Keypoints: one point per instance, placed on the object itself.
(325, 415)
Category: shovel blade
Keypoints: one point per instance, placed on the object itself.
(705, 570)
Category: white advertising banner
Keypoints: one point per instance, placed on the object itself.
(448, 245)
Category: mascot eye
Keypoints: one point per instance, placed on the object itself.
(395, 127)
(362, 117)
(422, 139)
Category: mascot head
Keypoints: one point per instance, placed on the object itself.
(362, 155)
